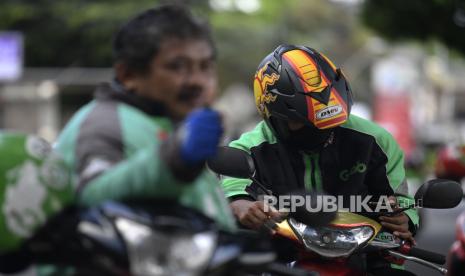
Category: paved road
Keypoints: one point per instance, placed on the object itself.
(437, 234)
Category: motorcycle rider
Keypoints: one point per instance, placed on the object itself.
(35, 184)
(148, 132)
(308, 139)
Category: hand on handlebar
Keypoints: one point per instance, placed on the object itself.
(398, 223)
(254, 214)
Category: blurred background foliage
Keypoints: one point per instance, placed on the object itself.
(441, 20)
(78, 33)
(67, 33)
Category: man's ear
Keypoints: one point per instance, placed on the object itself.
(125, 76)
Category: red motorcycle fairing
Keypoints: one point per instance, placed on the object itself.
(456, 257)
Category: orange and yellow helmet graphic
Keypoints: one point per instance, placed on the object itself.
(326, 108)
(262, 81)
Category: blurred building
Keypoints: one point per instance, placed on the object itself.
(44, 99)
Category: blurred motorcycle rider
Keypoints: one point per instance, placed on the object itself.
(147, 133)
(308, 139)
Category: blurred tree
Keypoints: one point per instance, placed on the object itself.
(67, 33)
(79, 32)
(417, 19)
(245, 38)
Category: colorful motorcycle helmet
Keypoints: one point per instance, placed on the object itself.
(34, 185)
(299, 84)
(450, 162)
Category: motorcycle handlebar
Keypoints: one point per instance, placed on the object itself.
(427, 255)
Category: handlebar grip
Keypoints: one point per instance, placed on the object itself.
(427, 255)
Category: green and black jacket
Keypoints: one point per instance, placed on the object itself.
(361, 158)
(117, 145)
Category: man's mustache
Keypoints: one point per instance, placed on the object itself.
(189, 94)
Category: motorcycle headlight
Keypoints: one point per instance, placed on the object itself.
(157, 253)
(332, 241)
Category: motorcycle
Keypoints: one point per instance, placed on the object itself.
(151, 237)
(331, 249)
(147, 238)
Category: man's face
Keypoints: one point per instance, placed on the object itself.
(182, 76)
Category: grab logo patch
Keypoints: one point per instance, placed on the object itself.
(37, 147)
(329, 112)
(24, 198)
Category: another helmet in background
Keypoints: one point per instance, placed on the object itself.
(34, 185)
(299, 84)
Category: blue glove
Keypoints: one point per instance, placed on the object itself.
(202, 133)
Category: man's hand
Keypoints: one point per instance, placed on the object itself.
(398, 224)
(253, 214)
(201, 135)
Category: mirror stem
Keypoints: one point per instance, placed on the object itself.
(265, 190)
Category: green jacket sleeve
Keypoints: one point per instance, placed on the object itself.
(388, 170)
(115, 154)
(397, 179)
(129, 178)
(395, 172)
(260, 134)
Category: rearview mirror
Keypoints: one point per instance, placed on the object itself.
(439, 194)
(232, 162)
